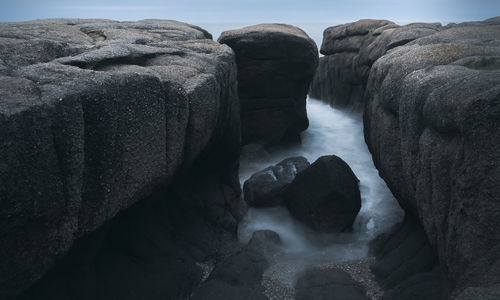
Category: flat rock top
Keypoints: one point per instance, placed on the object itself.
(272, 41)
(360, 27)
(57, 52)
(265, 29)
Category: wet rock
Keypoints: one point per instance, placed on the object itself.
(276, 63)
(325, 195)
(267, 188)
(328, 284)
(265, 241)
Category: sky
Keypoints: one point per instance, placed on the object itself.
(254, 11)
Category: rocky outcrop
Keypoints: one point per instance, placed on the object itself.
(350, 50)
(325, 195)
(96, 115)
(266, 188)
(430, 95)
(276, 63)
(431, 121)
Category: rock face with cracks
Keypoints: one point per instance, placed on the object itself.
(432, 120)
(94, 116)
(276, 63)
(430, 96)
(349, 52)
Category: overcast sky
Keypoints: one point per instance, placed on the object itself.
(290, 11)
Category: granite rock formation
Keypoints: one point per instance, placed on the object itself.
(97, 115)
(350, 50)
(432, 120)
(431, 101)
(276, 63)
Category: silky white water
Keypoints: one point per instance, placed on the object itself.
(330, 131)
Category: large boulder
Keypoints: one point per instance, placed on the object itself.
(96, 115)
(326, 195)
(268, 187)
(276, 63)
(332, 284)
(431, 122)
(430, 95)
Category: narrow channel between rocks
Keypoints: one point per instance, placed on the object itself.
(331, 131)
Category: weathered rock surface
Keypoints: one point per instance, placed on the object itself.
(406, 266)
(331, 284)
(325, 195)
(94, 116)
(431, 99)
(276, 63)
(350, 50)
(432, 124)
(267, 188)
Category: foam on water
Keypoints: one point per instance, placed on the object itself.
(331, 131)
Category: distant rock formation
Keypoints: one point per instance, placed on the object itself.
(276, 63)
(350, 50)
(98, 114)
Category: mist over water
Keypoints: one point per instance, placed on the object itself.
(330, 131)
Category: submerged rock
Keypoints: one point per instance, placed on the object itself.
(276, 63)
(328, 284)
(267, 188)
(325, 195)
(265, 241)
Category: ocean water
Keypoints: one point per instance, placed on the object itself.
(331, 131)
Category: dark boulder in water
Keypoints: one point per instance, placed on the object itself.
(265, 241)
(276, 63)
(326, 195)
(267, 188)
(327, 284)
